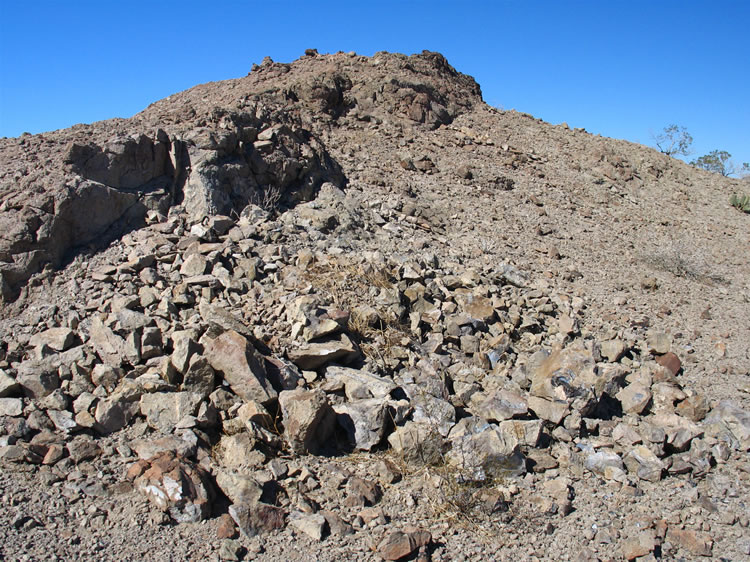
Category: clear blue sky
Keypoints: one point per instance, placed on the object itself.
(623, 69)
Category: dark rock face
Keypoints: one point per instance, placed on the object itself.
(257, 141)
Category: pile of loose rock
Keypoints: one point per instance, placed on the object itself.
(238, 348)
(343, 300)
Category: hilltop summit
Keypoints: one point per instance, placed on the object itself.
(344, 300)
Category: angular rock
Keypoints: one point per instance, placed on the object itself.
(734, 419)
(359, 384)
(226, 528)
(612, 350)
(195, 264)
(11, 407)
(255, 412)
(694, 407)
(311, 356)
(83, 448)
(241, 365)
(634, 398)
(308, 419)
(361, 492)
(499, 405)
(311, 524)
(599, 461)
(184, 347)
(679, 431)
(418, 443)
(550, 410)
(58, 339)
(239, 488)
(254, 518)
(321, 328)
(112, 349)
(484, 451)
(477, 307)
(283, 374)
(364, 421)
(106, 376)
(400, 544)
(63, 420)
(131, 320)
(642, 462)
(571, 375)
(527, 432)
(223, 319)
(199, 377)
(177, 486)
(147, 449)
(238, 451)
(695, 542)
(8, 385)
(113, 414)
(164, 409)
(336, 524)
(20, 454)
(640, 545)
(431, 410)
(671, 362)
(38, 378)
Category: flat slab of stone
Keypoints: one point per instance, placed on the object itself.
(312, 356)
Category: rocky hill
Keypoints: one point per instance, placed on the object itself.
(343, 308)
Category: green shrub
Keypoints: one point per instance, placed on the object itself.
(742, 202)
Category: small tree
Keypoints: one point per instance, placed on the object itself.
(674, 140)
(716, 161)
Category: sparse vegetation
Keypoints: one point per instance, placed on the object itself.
(741, 202)
(717, 161)
(674, 140)
(682, 260)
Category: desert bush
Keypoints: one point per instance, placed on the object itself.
(674, 140)
(683, 259)
(716, 161)
(741, 202)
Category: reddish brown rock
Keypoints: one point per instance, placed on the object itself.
(399, 544)
(670, 361)
(255, 517)
(226, 529)
(695, 542)
(175, 485)
(640, 545)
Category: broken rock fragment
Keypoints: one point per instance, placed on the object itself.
(242, 366)
(174, 485)
(400, 544)
(364, 421)
(308, 419)
(311, 356)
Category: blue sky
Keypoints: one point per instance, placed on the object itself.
(623, 69)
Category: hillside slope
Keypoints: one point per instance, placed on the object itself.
(343, 297)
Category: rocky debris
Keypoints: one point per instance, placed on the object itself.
(692, 542)
(241, 366)
(264, 317)
(174, 485)
(310, 524)
(725, 418)
(312, 356)
(256, 518)
(400, 544)
(308, 419)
